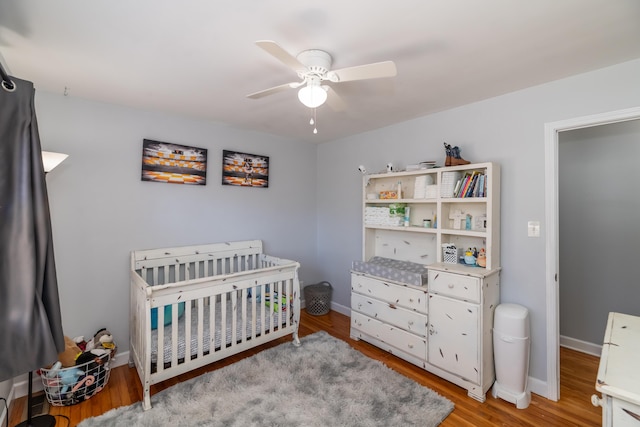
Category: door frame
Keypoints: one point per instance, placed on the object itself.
(552, 131)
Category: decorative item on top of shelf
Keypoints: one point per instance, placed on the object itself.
(362, 169)
(453, 156)
(390, 167)
(449, 253)
(422, 165)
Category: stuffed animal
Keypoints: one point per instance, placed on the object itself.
(482, 258)
(469, 257)
(102, 339)
(70, 354)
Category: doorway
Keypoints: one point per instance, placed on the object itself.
(552, 131)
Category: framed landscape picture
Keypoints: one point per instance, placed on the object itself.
(245, 170)
(173, 163)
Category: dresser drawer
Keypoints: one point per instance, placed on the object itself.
(458, 286)
(404, 341)
(624, 414)
(397, 295)
(405, 319)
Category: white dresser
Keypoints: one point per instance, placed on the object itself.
(619, 372)
(445, 327)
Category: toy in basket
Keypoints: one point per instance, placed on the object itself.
(78, 375)
(68, 386)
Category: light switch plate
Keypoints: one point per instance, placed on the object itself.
(533, 228)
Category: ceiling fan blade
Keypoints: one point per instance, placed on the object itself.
(278, 52)
(363, 72)
(334, 100)
(274, 89)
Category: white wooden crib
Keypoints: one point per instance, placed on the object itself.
(191, 306)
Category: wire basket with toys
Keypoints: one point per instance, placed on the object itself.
(82, 369)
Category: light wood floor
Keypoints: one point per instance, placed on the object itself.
(577, 379)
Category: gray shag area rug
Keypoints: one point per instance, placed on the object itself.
(324, 382)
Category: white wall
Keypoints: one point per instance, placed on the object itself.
(101, 210)
(598, 225)
(508, 130)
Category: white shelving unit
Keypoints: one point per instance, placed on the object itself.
(444, 327)
(428, 241)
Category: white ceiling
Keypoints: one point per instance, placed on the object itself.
(198, 58)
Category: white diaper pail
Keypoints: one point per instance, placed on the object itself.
(511, 353)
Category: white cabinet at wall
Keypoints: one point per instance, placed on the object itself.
(619, 372)
(461, 307)
(444, 327)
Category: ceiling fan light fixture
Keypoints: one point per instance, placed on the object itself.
(312, 96)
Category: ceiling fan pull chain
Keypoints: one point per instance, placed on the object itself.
(314, 119)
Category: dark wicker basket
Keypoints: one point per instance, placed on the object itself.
(317, 298)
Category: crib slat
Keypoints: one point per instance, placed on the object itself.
(187, 328)
(200, 304)
(174, 334)
(254, 298)
(213, 327)
(234, 318)
(289, 293)
(244, 323)
(160, 349)
(223, 321)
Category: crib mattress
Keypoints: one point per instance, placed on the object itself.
(217, 341)
(407, 272)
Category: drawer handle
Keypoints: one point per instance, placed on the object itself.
(410, 299)
(410, 345)
(359, 306)
(595, 400)
(450, 285)
(411, 323)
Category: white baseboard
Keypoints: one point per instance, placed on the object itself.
(341, 309)
(537, 386)
(582, 346)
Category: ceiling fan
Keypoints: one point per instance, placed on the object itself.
(313, 67)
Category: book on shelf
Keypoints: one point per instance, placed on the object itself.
(472, 184)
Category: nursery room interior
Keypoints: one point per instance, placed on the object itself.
(303, 213)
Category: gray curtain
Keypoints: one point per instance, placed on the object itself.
(30, 322)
